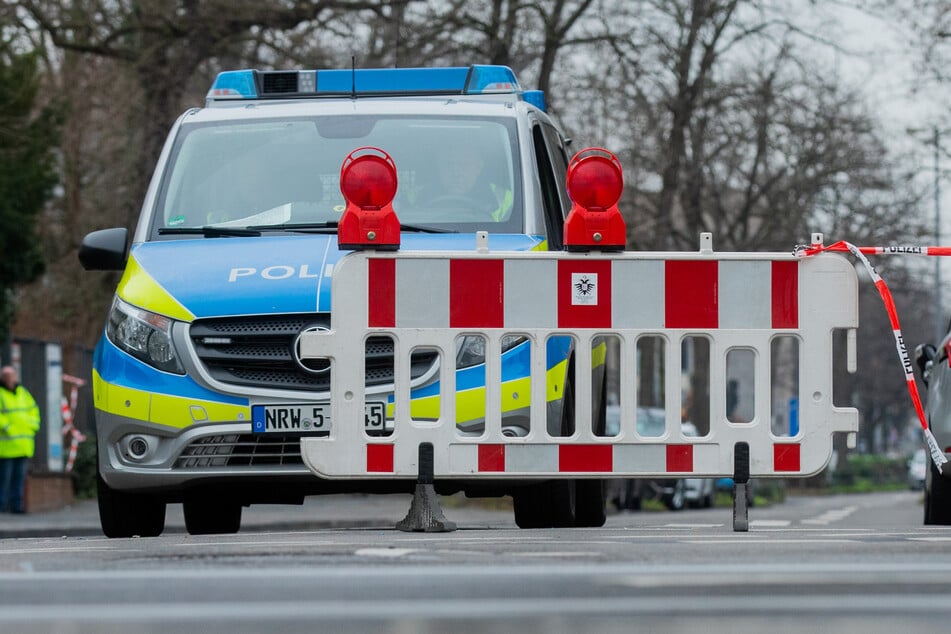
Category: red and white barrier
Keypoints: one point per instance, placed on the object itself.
(735, 300)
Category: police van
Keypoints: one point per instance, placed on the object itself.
(201, 394)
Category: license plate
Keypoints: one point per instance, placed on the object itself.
(308, 418)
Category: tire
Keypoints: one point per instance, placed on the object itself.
(555, 503)
(123, 514)
(591, 495)
(590, 503)
(676, 500)
(207, 516)
(937, 497)
(549, 504)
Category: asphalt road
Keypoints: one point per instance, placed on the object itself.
(838, 564)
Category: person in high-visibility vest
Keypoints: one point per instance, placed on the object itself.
(465, 183)
(19, 421)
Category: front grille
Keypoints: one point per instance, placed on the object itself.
(259, 352)
(241, 450)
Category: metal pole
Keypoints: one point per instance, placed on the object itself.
(939, 312)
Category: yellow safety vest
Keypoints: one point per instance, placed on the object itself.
(505, 198)
(19, 421)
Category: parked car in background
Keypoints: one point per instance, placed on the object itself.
(917, 468)
(935, 371)
(675, 493)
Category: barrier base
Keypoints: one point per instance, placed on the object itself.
(425, 514)
(741, 505)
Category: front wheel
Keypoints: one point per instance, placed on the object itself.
(590, 502)
(548, 504)
(123, 514)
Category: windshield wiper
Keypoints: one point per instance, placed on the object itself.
(210, 231)
(424, 229)
(331, 227)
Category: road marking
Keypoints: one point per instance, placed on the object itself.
(239, 544)
(834, 515)
(564, 553)
(769, 523)
(215, 613)
(384, 552)
(67, 549)
(771, 540)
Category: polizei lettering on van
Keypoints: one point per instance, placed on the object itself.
(276, 272)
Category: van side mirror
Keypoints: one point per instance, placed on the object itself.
(924, 359)
(104, 250)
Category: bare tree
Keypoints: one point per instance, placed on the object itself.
(530, 36)
(726, 123)
(164, 42)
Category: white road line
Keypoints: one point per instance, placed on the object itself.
(771, 540)
(68, 549)
(240, 544)
(769, 523)
(833, 515)
(384, 552)
(564, 553)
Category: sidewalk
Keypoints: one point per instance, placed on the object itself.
(318, 512)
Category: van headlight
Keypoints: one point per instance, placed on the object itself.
(146, 336)
(470, 349)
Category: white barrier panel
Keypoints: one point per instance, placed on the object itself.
(735, 300)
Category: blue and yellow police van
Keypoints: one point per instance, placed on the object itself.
(201, 394)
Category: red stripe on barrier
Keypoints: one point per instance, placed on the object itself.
(381, 293)
(598, 458)
(584, 293)
(476, 293)
(379, 458)
(785, 457)
(690, 289)
(785, 278)
(491, 457)
(680, 458)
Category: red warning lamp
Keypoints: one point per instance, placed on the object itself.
(368, 183)
(595, 183)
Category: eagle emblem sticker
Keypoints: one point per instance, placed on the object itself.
(584, 289)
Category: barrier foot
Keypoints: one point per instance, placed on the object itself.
(741, 514)
(741, 487)
(425, 514)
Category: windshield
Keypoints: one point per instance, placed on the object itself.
(454, 174)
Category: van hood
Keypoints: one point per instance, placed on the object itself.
(219, 277)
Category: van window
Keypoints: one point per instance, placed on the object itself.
(548, 181)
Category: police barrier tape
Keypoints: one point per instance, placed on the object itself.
(735, 300)
(67, 407)
(937, 455)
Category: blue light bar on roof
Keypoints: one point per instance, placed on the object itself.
(536, 98)
(392, 80)
(234, 84)
(471, 80)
